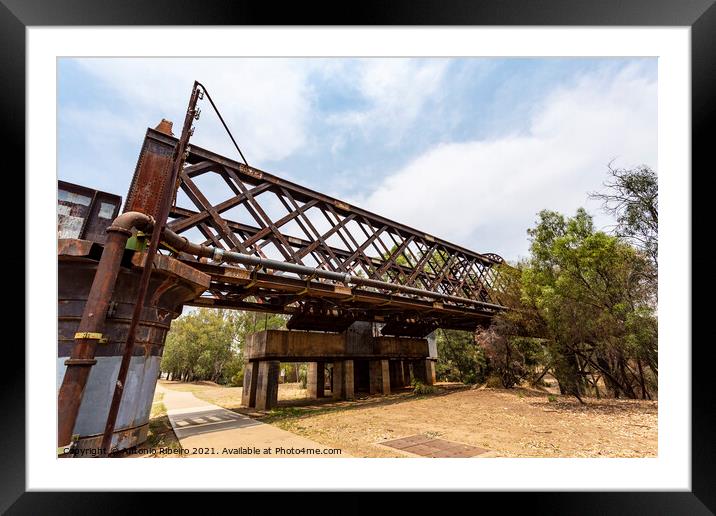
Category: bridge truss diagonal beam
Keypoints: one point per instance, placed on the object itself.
(229, 205)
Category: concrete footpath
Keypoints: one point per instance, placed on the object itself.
(207, 430)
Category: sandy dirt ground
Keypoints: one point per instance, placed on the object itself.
(230, 397)
(509, 423)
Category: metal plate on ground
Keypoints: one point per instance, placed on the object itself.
(425, 446)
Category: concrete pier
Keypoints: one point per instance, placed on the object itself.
(343, 380)
(316, 380)
(267, 384)
(379, 377)
(424, 371)
(248, 393)
(360, 361)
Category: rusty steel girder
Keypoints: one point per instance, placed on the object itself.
(225, 204)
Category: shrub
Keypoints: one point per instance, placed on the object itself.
(494, 382)
(420, 388)
(237, 380)
(459, 359)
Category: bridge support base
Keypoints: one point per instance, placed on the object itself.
(379, 377)
(361, 362)
(397, 377)
(424, 371)
(316, 380)
(248, 393)
(406, 372)
(343, 380)
(267, 384)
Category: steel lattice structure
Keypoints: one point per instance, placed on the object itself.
(257, 213)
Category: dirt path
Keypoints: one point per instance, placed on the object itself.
(207, 430)
(515, 423)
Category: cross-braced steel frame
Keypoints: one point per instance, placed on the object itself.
(254, 212)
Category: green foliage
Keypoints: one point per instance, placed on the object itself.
(510, 358)
(459, 359)
(233, 371)
(591, 299)
(421, 389)
(247, 323)
(207, 344)
(631, 195)
(583, 303)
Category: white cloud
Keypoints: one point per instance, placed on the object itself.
(266, 102)
(395, 92)
(485, 193)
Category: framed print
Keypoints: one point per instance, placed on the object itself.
(414, 250)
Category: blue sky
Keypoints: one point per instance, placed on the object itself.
(467, 149)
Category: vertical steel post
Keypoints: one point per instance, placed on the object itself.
(161, 215)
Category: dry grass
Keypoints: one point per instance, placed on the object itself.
(230, 397)
(510, 423)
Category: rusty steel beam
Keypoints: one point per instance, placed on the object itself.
(407, 266)
(254, 176)
(220, 255)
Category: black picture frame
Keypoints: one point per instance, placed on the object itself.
(16, 15)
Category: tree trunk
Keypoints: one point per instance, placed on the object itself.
(644, 394)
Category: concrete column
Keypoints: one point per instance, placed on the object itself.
(343, 381)
(267, 385)
(385, 366)
(406, 372)
(337, 380)
(316, 380)
(393, 366)
(424, 371)
(348, 380)
(379, 371)
(430, 370)
(251, 376)
(397, 380)
(374, 377)
(419, 372)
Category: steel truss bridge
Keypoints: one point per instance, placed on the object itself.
(256, 213)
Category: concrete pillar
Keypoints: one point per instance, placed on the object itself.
(379, 376)
(316, 380)
(406, 372)
(251, 376)
(348, 380)
(337, 380)
(343, 381)
(267, 385)
(385, 366)
(392, 365)
(397, 377)
(430, 367)
(424, 371)
(374, 377)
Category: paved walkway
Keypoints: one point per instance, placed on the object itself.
(207, 430)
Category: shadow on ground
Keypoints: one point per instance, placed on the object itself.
(296, 409)
(536, 397)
